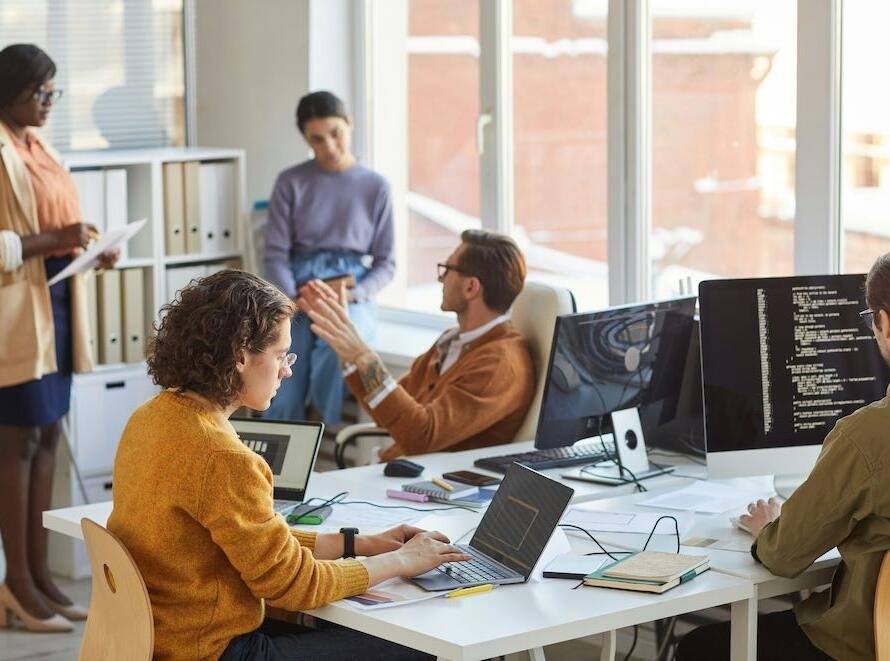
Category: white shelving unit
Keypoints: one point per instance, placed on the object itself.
(103, 400)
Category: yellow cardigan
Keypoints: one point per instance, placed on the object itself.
(194, 507)
(27, 337)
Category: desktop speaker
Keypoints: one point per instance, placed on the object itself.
(629, 440)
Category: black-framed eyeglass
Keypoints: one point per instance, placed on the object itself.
(868, 318)
(444, 268)
(47, 96)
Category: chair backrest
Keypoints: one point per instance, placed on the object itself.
(534, 315)
(120, 623)
(882, 611)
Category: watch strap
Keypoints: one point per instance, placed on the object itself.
(349, 541)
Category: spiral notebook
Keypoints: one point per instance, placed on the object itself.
(435, 492)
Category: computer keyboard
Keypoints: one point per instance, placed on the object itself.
(572, 455)
(475, 570)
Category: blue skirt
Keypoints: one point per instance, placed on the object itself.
(43, 401)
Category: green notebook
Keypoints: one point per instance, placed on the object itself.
(632, 570)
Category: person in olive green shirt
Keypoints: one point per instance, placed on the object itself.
(844, 503)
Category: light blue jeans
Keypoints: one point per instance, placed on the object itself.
(317, 378)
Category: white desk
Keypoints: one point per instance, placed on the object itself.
(511, 618)
(764, 583)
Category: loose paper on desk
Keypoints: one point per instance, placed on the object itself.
(556, 546)
(701, 496)
(584, 516)
(112, 238)
(394, 592)
(369, 517)
(456, 525)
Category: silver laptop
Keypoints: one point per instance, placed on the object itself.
(290, 449)
(511, 536)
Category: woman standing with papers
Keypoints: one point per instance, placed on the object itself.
(43, 334)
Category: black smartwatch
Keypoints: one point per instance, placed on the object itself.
(349, 541)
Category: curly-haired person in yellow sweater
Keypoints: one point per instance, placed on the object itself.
(194, 507)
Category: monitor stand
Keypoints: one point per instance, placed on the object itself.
(632, 463)
(785, 485)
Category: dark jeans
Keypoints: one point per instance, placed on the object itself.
(779, 638)
(283, 641)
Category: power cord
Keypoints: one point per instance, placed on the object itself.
(340, 499)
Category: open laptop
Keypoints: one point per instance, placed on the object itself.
(290, 449)
(511, 536)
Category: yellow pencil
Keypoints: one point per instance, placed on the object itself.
(442, 483)
(462, 592)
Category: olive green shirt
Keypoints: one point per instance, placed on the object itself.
(845, 502)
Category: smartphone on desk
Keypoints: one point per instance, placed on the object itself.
(472, 478)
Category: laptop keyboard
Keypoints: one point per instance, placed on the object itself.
(477, 569)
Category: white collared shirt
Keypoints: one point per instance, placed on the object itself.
(453, 341)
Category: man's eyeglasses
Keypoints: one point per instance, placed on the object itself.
(288, 360)
(46, 97)
(444, 268)
(868, 318)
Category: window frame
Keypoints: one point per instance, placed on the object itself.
(818, 235)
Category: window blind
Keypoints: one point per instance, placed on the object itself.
(119, 62)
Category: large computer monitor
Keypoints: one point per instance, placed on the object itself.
(619, 358)
(782, 360)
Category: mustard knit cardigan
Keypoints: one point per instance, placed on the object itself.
(194, 507)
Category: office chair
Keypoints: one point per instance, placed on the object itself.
(534, 315)
(120, 624)
(882, 611)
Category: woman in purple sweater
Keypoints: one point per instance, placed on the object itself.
(329, 216)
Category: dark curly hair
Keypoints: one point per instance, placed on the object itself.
(202, 332)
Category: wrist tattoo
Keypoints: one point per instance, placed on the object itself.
(371, 371)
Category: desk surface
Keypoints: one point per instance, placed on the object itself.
(538, 613)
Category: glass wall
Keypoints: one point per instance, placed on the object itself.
(560, 159)
(865, 125)
(724, 81)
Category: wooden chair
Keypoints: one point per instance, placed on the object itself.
(882, 611)
(120, 623)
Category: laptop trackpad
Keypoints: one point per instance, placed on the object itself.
(435, 580)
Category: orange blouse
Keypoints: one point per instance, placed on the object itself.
(54, 189)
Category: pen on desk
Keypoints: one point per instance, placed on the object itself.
(407, 495)
(462, 592)
(438, 481)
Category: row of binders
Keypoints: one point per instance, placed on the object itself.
(103, 198)
(180, 276)
(116, 304)
(200, 207)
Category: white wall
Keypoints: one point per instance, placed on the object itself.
(252, 66)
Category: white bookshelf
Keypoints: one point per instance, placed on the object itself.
(103, 400)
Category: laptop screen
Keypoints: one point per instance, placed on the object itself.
(290, 449)
(521, 518)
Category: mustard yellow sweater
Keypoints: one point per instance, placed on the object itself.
(194, 508)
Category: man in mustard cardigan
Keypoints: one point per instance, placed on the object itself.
(473, 387)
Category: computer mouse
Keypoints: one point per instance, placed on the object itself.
(402, 468)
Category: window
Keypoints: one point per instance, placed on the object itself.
(560, 160)
(723, 140)
(865, 116)
(120, 65)
(443, 161)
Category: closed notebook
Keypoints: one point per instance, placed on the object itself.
(598, 579)
(655, 566)
(436, 492)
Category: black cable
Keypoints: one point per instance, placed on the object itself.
(655, 527)
(632, 645)
(339, 499)
(595, 541)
